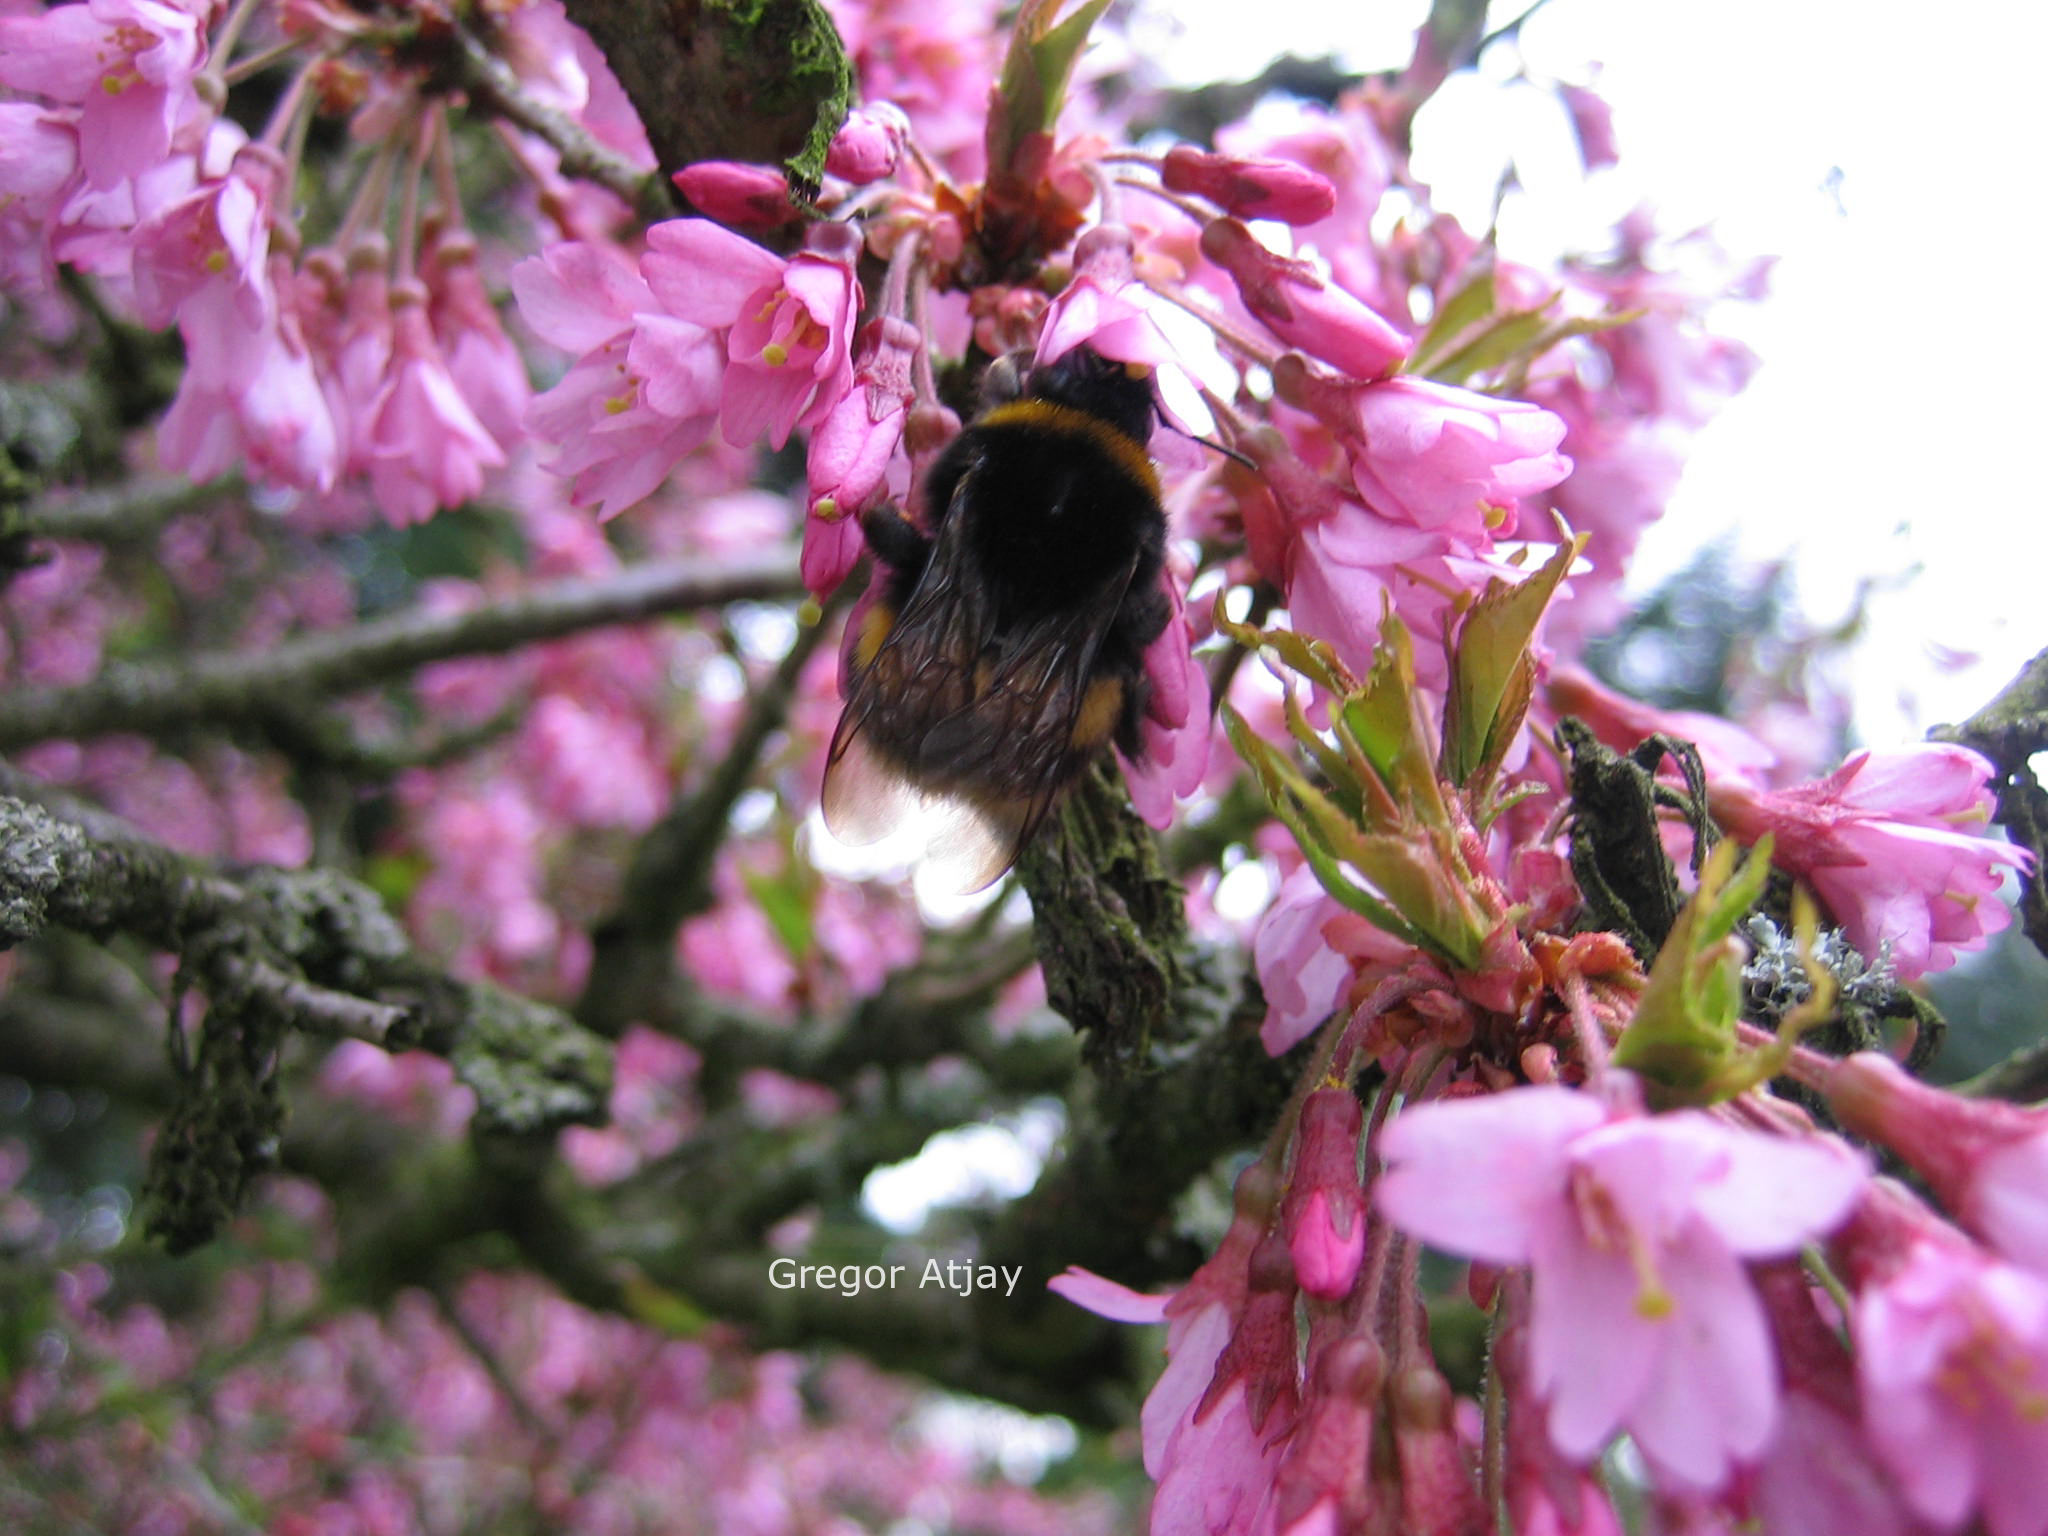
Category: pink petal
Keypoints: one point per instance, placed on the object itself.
(1777, 1194)
(1712, 1398)
(705, 274)
(1477, 1176)
(1590, 1351)
(1106, 1298)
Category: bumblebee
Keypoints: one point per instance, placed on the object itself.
(1004, 649)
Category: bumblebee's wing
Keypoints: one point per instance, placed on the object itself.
(864, 800)
(1038, 710)
(909, 667)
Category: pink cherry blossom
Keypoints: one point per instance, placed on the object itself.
(271, 416)
(359, 344)
(1174, 732)
(487, 369)
(1105, 308)
(1952, 1353)
(1213, 1422)
(1634, 1231)
(1301, 973)
(38, 162)
(428, 450)
(1435, 456)
(127, 65)
(1987, 1161)
(210, 247)
(854, 447)
(1888, 843)
(1444, 457)
(644, 389)
(791, 326)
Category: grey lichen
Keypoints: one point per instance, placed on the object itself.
(34, 847)
(530, 1067)
(1776, 978)
(277, 952)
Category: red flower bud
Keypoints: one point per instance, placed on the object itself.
(1251, 189)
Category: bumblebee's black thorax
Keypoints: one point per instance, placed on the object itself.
(1055, 488)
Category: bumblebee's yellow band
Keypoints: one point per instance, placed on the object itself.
(1127, 452)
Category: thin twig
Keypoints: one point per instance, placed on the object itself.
(494, 87)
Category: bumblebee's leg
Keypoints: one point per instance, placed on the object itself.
(1137, 695)
(895, 539)
(1141, 617)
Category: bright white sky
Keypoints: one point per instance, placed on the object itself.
(1898, 420)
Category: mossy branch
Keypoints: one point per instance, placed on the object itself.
(276, 951)
(766, 81)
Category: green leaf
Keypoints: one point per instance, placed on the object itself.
(1033, 84)
(1682, 1040)
(1511, 335)
(1340, 771)
(1413, 896)
(1564, 330)
(1462, 310)
(786, 906)
(1313, 659)
(1310, 818)
(1492, 675)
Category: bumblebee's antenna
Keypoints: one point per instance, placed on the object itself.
(1228, 453)
(1166, 421)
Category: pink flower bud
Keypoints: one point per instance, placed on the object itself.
(1322, 1484)
(1437, 1489)
(868, 143)
(852, 448)
(1251, 189)
(1987, 1161)
(744, 196)
(1301, 309)
(1324, 1210)
(1263, 1346)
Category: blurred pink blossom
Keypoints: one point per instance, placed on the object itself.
(1888, 843)
(1634, 1231)
(129, 66)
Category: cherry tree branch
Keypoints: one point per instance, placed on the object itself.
(758, 80)
(123, 514)
(493, 86)
(306, 950)
(226, 688)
